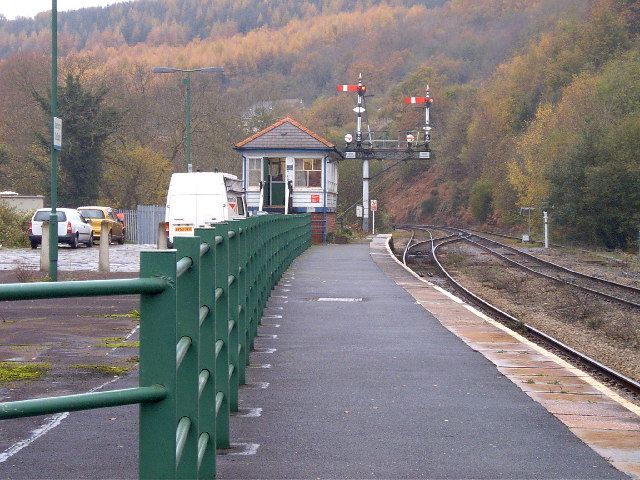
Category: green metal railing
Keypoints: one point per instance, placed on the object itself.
(200, 306)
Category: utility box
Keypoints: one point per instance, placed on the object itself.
(287, 155)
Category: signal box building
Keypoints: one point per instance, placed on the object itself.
(287, 154)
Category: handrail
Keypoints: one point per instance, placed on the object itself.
(181, 350)
(184, 264)
(82, 401)
(200, 306)
(82, 288)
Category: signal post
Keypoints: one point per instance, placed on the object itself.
(415, 146)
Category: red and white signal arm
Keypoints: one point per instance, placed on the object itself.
(415, 100)
(347, 88)
(374, 205)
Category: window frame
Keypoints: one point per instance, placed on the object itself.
(260, 161)
(296, 171)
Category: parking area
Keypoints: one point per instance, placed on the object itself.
(123, 258)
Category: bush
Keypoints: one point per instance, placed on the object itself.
(480, 200)
(13, 227)
(429, 206)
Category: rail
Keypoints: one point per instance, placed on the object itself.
(200, 306)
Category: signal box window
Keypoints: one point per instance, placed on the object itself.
(308, 172)
(255, 172)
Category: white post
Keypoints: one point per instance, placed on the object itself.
(261, 200)
(373, 221)
(286, 197)
(162, 236)
(44, 248)
(546, 229)
(103, 254)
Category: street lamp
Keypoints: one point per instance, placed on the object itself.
(186, 81)
(53, 217)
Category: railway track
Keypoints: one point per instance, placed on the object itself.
(607, 289)
(623, 294)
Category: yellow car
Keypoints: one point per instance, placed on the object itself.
(96, 215)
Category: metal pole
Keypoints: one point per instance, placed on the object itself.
(53, 218)
(187, 129)
(365, 196)
(365, 163)
(359, 111)
(529, 210)
(546, 229)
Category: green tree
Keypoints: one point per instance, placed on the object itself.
(87, 123)
(480, 200)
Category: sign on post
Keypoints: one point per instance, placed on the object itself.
(359, 211)
(57, 133)
(374, 208)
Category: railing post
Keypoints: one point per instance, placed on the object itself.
(251, 281)
(243, 316)
(157, 441)
(234, 322)
(222, 335)
(188, 327)
(207, 355)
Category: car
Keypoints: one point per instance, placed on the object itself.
(73, 228)
(96, 215)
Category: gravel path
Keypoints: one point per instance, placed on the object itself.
(123, 258)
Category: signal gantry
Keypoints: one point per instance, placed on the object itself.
(371, 145)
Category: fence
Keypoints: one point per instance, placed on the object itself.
(200, 308)
(142, 223)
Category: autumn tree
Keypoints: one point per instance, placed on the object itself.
(135, 175)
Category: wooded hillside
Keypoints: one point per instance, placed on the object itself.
(537, 101)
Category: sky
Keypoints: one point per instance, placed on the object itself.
(29, 8)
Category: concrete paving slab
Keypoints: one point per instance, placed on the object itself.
(629, 423)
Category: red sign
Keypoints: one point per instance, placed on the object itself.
(315, 198)
(374, 205)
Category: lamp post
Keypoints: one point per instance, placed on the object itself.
(186, 81)
(53, 218)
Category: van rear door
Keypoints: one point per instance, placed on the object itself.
(182, 211)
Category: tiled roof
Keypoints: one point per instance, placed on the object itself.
(286, 134)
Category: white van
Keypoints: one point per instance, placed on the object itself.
(201, 199)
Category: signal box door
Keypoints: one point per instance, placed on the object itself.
(276, 169)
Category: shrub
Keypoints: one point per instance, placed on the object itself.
(480, 200)
(13, 227)
(429, 206)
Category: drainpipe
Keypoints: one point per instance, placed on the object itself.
(324, 187)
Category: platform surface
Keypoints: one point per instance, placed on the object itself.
(379, 388)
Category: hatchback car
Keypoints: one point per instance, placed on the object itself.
(97, 215)
(73, 228)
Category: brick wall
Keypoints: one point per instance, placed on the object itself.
(318, 225)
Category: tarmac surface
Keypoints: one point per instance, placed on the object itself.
(352, 379)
